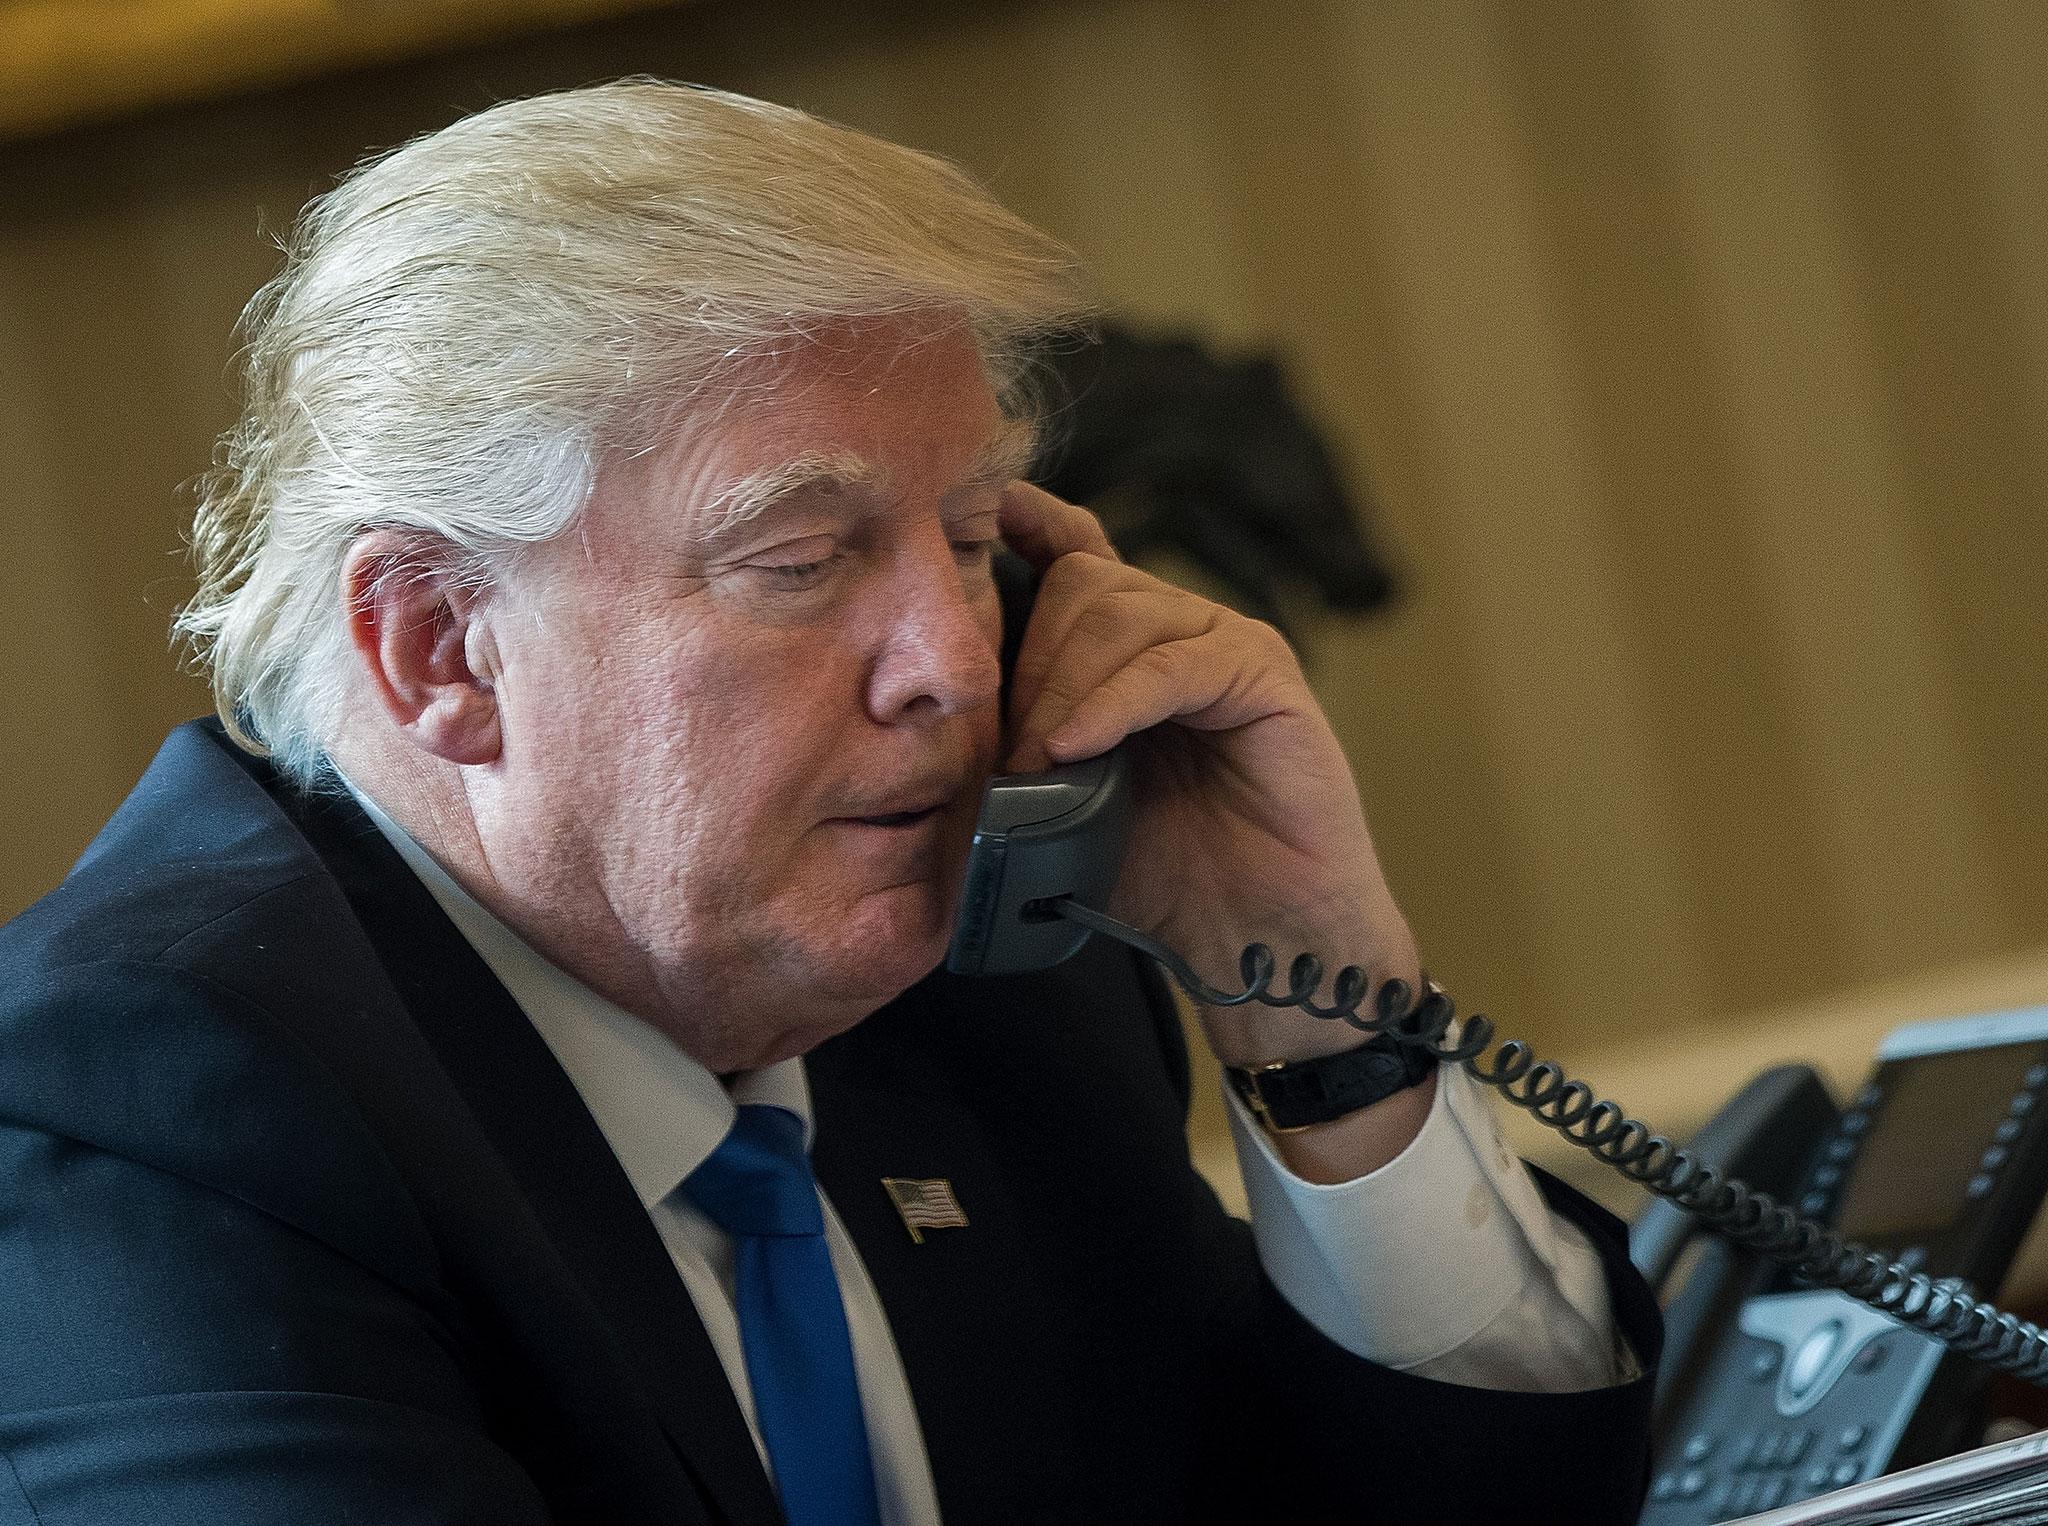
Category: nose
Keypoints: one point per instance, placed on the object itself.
(942, 625)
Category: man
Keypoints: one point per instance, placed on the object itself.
(405, 1091)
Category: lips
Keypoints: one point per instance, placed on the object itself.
(897, 818)
(906, 805)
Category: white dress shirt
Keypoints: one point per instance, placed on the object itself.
(1496, 1292)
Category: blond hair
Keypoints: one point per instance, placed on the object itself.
(465, 326)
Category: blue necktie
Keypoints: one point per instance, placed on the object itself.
(757, 1187)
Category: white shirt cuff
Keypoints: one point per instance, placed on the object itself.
(1446, 1261)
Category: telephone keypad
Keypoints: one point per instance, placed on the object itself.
(1751, 1456)
(1765, 1468)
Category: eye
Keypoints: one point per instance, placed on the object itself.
(973, 552)
(794, 577)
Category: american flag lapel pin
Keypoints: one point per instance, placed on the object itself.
(924, 1204)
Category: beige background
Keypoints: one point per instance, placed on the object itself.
(1696, 356)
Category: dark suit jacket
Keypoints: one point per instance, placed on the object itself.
(300, 1222)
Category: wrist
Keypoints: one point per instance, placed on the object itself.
(1288, 1096)
(1357, 1144)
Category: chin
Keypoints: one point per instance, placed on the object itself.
(888, 943)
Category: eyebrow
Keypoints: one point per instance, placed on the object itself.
(1005, 455)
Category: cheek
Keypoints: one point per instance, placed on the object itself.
(738, 724)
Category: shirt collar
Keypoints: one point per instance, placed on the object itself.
(660, 1111)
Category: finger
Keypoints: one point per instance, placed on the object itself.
(1069, 588)
(1214, 681)
(1042, 529)
(1081, 644)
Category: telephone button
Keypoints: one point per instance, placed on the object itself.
(2021, 1105)
(1813, 1203)
(1868, 1359)
(1845, 1474)
(1994, 1157)
(1700, 1447)
(1980, 1185)
(1811, 1359)
(1692, 1483)
(1854, 1121)
(1664, 1486)
(1819, 1332)
(2007, 1131)
(1827, 1176)
(1842, 1149)
(2035, 1075)
(1817, 1478)
(1852, 1437)
(1792, 1450)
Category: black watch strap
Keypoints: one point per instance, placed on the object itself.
(1308, 1092)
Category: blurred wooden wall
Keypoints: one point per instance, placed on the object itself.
(1697, 358)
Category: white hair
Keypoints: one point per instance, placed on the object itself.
(465, 327)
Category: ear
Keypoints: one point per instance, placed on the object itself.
(417, 622)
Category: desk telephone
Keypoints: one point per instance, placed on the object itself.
(1777, 1383)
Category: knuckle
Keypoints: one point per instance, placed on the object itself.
(1160, 661)
(1101, 621)
(1066, 575)
(1267, 640)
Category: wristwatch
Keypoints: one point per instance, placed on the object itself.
(1291, 1095)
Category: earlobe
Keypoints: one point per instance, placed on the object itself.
(419, 625)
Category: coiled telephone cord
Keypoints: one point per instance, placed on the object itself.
(1752, 1219)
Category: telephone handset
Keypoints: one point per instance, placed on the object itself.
(1794, 1384)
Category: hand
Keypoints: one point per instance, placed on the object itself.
(1248, 826)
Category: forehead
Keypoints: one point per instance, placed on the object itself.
(884, 414)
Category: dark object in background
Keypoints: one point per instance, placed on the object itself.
(1178, 449)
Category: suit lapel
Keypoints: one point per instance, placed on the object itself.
(532, 1115)
(989, 1366)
